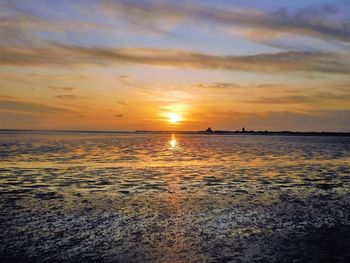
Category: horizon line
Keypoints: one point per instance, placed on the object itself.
(175, 131)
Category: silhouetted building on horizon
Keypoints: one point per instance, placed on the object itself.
(209, 130)
(243, 129)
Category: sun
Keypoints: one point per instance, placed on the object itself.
(174, 118)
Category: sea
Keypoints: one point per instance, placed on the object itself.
(138, 197)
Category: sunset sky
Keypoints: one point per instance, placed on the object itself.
(175, 65)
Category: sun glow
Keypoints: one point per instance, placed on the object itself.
(174, 118)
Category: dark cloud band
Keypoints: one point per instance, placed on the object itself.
(58, 54)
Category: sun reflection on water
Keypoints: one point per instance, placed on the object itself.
(173, 142)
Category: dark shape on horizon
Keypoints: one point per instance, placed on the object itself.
(243, 129)
(209, 130)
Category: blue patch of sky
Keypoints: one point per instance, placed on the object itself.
(200, 37)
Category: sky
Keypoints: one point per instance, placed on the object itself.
(175, 65)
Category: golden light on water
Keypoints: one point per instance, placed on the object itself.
(173, 142)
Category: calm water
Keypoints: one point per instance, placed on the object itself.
(174, 198)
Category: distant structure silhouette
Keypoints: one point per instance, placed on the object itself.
(243, 131)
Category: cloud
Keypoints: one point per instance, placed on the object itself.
(332, 96)
(21, 106)
(118, 115)
(23, 27)
(70, 97)
(122, 103)
(58, 88)
(310, 21)
(342, 87)
(219, 85)
(22, 42)
(25, 36)
(160, 17)
(124, 77)
(59, 54)
(228, 85)
(293, 99)
(312, 97)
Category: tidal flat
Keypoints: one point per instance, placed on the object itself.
(174, 198)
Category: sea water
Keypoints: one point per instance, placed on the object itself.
(132, 197)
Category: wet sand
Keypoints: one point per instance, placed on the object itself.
(67, 198)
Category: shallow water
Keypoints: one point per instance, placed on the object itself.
(174, 198)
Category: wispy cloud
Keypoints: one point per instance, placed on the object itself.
(230, 85)
(161, 17)
(22, 42)
(69, 97)
(58, 88)
(293, 99)
(22, 27)
(22, 106)
(218, 85)
(122, 103)
(310, 21)
(58, 54)
(312, 97)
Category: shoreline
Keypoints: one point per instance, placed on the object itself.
(218, 132)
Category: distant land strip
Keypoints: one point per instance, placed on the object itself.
(216, 132)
